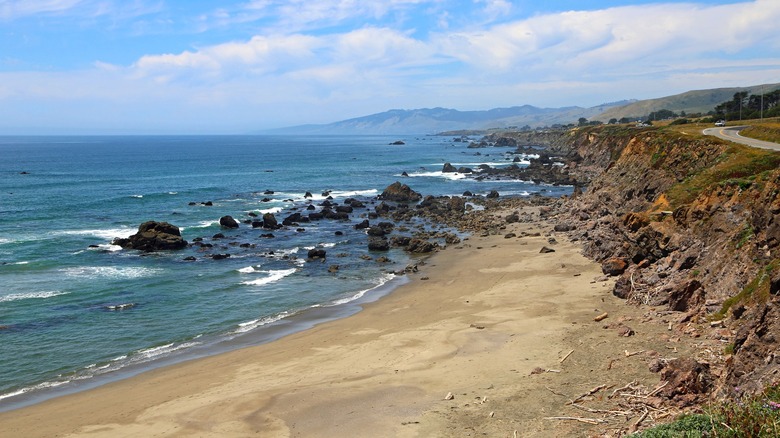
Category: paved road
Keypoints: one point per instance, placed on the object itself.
(731, 133)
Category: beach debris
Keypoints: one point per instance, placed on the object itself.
(546, 250)
(580, 419)
(478, 327)
(634, 353)
(601, 317)
(587, 394)
(449, 396)
(567, 356)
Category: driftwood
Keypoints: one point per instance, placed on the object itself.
(601, 317)
(580, 419)
(567, 356)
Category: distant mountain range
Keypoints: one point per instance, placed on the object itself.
(436, 120)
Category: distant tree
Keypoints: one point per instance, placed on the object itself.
(682, 114)
(582, 121)
(661, 115)
(525, 128)
(681, 121)
(624, 120)
(612, 121)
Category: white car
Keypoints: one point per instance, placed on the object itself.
(720, 123)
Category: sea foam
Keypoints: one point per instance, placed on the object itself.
(273, 276)
(31, 295)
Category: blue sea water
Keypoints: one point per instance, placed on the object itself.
(63, 285)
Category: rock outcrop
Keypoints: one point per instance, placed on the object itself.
(398, 192)
(154, 236)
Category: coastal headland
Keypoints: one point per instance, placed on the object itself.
(646, 294)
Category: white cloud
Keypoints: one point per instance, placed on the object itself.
(289, 76)
(12, 9)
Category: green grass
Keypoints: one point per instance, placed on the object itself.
(764, 131)
(756, 416)
(757, 291)
(738, 164)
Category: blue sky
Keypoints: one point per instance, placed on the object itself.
(208, 66)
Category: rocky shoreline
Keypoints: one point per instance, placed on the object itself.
(698, 259)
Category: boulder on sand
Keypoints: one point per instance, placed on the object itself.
(153, 236)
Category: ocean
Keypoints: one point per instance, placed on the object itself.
(77, 311)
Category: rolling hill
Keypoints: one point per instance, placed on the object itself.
(697, 101)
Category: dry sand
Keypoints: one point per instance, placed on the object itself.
(474, 322)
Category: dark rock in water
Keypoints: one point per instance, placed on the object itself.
(354, 203)
(376, 231)
(189, 259)
(316, 216)
(378, 244)
(400, 240)
(468, 193)
(300, 230)
(317, 253)
(257, 224)
(269, 221)
(448, 168)
(228, 222)
(265, 200)
(339, 233)
(193, 203)
(546, 250)
(252, 214)
(24, 172)
(154, 236)
(123, 306)
(220, 256)
(267, 236)
(404, 174)
(493, 195)
(333, 268)
(207, 203)
(292, 219)
(465, 170)
(344, 209)
(397, 143)
(268, 192)
(218, 236)
(308, 195)
(363, 225)
(399, 193)
(311, 207)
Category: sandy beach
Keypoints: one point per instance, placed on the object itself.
(490, 338)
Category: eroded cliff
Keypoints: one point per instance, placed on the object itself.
(696, 221)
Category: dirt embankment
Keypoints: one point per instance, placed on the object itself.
(689, 225)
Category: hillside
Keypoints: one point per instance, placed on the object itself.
(435, 120)
(697, 101)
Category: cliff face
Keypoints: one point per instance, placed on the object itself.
(697, 221)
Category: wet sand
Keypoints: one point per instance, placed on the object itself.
(474, 323)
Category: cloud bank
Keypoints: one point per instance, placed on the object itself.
(322, 61)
